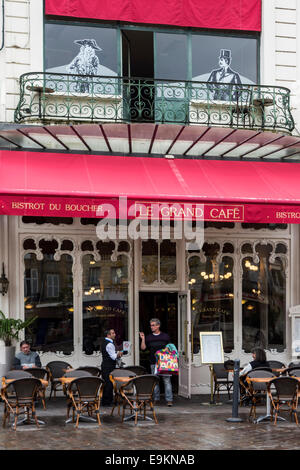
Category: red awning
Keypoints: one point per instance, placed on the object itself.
(75, 185)
(242, 15)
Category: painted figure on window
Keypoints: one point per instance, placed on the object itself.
(85, 63)
(224, 75)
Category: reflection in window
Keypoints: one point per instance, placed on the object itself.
(149, 261)
(211, 284)
(159, 262)
(264, 300)
(168, 261)
(49, 296)
(105, 300)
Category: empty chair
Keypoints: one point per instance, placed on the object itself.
(143, 386)
(84, 397)
(293, 371)
(96, 371)
(277, 365)
(267, 369)
(77, 373)
(17, 374)
(23, 401)
(257, 390)
(117, 384)
(294, 364)
(285, 396)
(221, 380)
(56, 370)
(138, 370)
(40, 373)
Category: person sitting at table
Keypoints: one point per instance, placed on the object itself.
(26, 358)
(259, 360)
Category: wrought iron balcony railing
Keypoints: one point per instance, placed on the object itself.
(53, 97)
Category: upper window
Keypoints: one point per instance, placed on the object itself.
(81, 49)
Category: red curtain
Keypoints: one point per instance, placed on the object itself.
(216, 14)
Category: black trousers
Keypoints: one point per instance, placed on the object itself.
(108, 391)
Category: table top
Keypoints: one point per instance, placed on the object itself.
(264, 379)
(6, 382)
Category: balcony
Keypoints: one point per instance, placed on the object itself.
(51, 98)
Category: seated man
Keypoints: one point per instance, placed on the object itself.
(26, 359)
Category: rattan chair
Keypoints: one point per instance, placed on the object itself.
(84, 397)
(95, 371)
(143, 386)
(257, 390)
(285, 395)
(221, 380)
(294, 372)
(23, 401)
(40, 373)
(118, 399)
(56, 370)
(291, 370)
(138, 370)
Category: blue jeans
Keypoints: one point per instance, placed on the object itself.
(167, 385)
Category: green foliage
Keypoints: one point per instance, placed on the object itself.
(10, 328)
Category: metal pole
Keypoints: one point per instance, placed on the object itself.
(236, 389)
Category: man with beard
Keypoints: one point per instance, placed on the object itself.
(85, 63)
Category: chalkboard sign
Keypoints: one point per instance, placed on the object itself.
(211, 344)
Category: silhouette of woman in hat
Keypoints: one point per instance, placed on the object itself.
(85, 63)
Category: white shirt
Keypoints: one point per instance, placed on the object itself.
(246, 369)
(111, 349)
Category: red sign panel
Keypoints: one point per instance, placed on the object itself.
(244, 15)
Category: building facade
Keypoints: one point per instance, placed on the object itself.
(154, 99)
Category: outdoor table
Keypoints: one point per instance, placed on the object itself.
(124, 381)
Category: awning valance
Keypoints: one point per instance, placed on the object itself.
(218, 14)
(76, 185)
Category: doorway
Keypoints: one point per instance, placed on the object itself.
(164, 306)
(138, 66)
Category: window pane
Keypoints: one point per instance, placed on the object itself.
(168, 262)
(49, 296)
(105, 300)
(211, 286)
(149, 261)
(80, 49)
(240, 54)
(171, 56)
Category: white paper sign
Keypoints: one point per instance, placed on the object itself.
(211, 347)
(127, 346)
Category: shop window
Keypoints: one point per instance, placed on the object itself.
(264, 300)
(87, 245)
(211, 283)
(29, 244)
(159, 263)
(104, 300)
(49, 296)
(67, 245)
(149, 262)
(48, 247)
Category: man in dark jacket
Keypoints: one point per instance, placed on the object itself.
(224, 75)
(109, 360)
(26, 359)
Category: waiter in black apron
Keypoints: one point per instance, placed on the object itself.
(109, 360)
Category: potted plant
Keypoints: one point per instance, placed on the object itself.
(10, 329)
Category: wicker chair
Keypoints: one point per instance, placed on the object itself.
(23, 401)
(118, 399)
(144, 387)
(286, 394)
(56, 370)
(95, 371)
(84, 397)
(257, 390)
(138, 370)
(220, 374)
(40, 373)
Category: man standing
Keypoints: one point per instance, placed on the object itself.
(155, 341)
(224, 75)
(26, 359)
(109, 360)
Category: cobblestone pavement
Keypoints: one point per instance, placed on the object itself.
(188, 425)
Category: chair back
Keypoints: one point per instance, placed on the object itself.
(87, 387)
(266, 369)
(294, 364)
(138, 370)
(294, 372)
(144, 385)
(57, 368)
(78, 373)
(276, 364)
(17, 374)
(38, 372)
(286, 387)
(229, 364)
(25, 389)
(291, 370)
(95, 371)
(260, 374)
(220, 372)
(122, 373)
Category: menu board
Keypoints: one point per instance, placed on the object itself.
(296, 339)
(211, 344)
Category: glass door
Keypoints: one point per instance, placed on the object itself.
(184, 344)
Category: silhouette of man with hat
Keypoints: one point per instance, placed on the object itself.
(85, 63)
(224, 75)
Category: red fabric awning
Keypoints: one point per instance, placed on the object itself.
(218, 14)
(57, 184)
